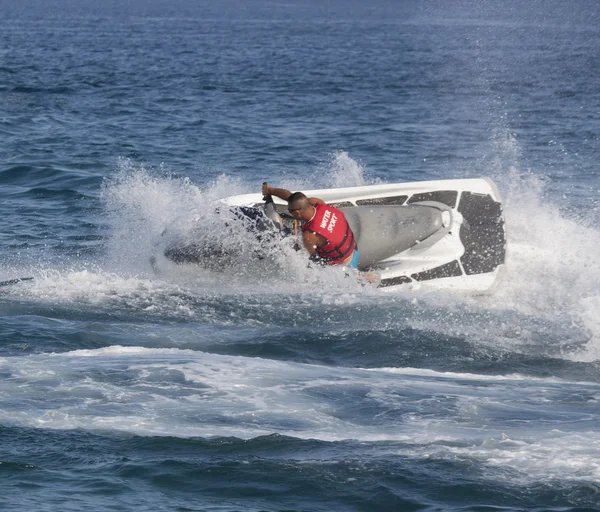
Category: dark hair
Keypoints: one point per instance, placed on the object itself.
(295, 196)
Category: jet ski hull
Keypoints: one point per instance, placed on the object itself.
(433, 234)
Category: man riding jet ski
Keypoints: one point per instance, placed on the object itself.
(325, 231)
(436, 234)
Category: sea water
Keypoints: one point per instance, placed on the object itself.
(267, 385)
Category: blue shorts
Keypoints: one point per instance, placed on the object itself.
(354, 262)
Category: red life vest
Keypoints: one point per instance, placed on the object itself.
(331, 224)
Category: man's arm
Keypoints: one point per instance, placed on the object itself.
(281, 193)
(312, 241)
(284, 194)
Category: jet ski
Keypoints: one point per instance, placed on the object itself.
(214, 240)
(429, 234)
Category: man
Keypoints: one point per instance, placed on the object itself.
(326, 234)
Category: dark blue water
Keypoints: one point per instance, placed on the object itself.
(266, 387)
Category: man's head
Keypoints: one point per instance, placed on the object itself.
(299, 206)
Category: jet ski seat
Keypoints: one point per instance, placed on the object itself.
(384, 231)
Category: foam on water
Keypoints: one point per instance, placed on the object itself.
(550, 268)
(344, 171)
(512, 424)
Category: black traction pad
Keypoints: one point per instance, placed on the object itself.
(482, 233)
